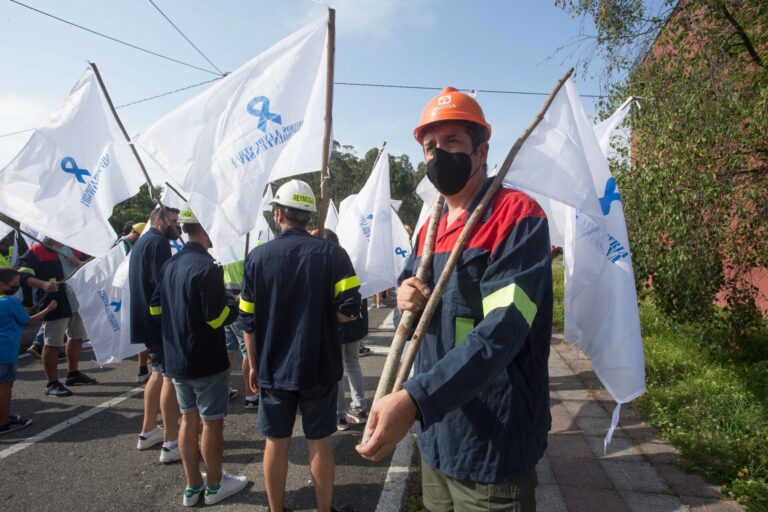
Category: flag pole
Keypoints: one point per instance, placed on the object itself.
(408, 318)
(152, 193)
(437, 292)
(125, 134)
(325, 169)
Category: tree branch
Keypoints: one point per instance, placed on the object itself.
(741, 33)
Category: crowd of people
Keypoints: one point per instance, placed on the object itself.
(478, 394)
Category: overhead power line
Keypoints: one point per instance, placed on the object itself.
(185, 37)
(167, 93)
(428, 88)
(356, 84)
(156, 54)
(130, 103)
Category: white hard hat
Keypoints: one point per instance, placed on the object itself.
(187, 216)
(295, 194)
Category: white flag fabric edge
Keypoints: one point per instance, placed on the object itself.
(103, 307)
(262, 122)
(365, 231)
(72, 172)
(332, 217)
(5, 229)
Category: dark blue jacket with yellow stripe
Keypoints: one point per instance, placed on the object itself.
(480, 379)
(292, 288)
(192, 306)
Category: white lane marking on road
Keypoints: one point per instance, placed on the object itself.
(394, 486)
(68, 423)
(393, 490)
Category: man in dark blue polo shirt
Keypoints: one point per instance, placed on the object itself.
(146, 258)
(296, 289)
(191, 301)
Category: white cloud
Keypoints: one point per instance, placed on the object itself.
(16, 114)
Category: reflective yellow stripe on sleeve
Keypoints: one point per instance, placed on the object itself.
(509, 295)
(219, 320)
(246, 307)
(345, 284)
(155, 310)
(27, 270)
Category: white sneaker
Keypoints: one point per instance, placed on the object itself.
(148, 441)
(230, 485)
(168, 455)
(190, 497)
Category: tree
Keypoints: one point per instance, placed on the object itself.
(696, 193)
(134, 209)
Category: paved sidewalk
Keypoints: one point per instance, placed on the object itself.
(638, 474)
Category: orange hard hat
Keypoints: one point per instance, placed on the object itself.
(451, 105)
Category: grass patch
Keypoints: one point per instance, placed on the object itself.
(711, 406)
(558, 287)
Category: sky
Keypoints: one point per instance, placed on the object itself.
(468, 44)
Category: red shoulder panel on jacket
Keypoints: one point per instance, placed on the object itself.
(509, 207)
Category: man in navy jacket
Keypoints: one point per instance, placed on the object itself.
(480, 387)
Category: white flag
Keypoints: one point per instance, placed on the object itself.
(260, 234)
(365, 231)
(72, 172)
(401, 244)
(103, 307)
(562, 160)
(262, 122)
(5, 229)
(332, 217)
(27, 229)
(428, 194)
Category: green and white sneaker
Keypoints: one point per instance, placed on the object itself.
(230, 485)
(192, 495)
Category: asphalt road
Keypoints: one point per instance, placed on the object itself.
(91, 462)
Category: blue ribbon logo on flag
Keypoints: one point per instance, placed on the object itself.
(400, 251)
(176, 245)
(610, 196)
(116, 305)
(69, 166)
(263, 114)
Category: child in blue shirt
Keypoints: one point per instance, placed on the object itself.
(13, 317)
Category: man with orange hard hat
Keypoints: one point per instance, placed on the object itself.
(480, 386)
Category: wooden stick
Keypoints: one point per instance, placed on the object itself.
(151, 190)
(408, 318)
(125, 133)
(437, 292)
(326, 155)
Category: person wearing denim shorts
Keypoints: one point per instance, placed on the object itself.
(193, 309)
(296, 289)
(148, 255)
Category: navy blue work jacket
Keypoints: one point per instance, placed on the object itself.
(292, 288)
(191, 302)
(147, 257)
(481, 379)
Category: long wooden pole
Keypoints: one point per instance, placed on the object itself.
(125, 134)
(325, 169)
(437, 292)
(408, 318)
(152, 193)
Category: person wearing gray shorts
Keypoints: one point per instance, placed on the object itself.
(193, 309)
(45, 266)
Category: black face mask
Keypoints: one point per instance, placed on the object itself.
(12, 290)
(449, 172)
(171, 232)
